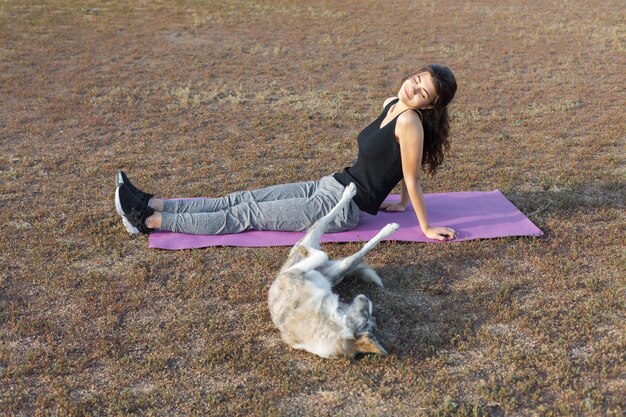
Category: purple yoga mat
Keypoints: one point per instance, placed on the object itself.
(474, 215)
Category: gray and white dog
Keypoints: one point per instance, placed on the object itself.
(304, 308)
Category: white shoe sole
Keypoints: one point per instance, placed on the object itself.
(118, 207)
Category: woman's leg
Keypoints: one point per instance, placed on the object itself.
(292, 214)
(209, 205)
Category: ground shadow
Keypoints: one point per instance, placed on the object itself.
(416, 312)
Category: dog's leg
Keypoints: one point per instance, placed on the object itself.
(334, 271)
(313, 258)
(313, 236)
(366, 274)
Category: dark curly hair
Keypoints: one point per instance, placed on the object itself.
(436, 120)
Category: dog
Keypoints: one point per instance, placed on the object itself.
(304, 308)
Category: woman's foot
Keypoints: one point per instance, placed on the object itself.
(121, 178)
(133, 211)
(118, 207)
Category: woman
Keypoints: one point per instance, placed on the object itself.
(394, 149)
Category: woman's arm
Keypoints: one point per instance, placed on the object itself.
(410, 134)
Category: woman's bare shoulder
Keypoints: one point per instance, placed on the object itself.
(409, 124)
(410, 118)
(388, 101)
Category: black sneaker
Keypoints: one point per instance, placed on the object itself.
(121, 178)
(134, 211)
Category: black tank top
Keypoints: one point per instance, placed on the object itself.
(378, 167)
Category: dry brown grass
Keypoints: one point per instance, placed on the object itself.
(202, 98)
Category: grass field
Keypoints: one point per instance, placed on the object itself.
(200, 98)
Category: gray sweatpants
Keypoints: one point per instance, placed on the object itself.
(285, 207)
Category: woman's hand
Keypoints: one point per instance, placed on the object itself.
(395, 206)
(439, 233)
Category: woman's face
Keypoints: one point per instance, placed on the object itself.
(418, 91)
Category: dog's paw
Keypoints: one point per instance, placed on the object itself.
(390, 229)
(367, 274)
(349, 191)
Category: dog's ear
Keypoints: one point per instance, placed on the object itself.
(366, 344)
